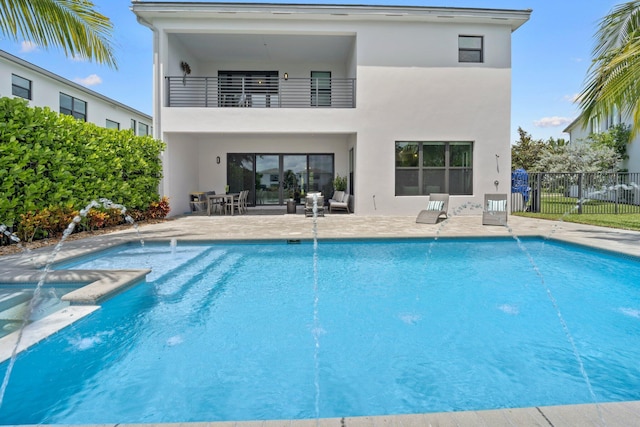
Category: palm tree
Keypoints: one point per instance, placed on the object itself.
(72, 25)
(613, 81)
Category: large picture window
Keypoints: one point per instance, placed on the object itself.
(427, 167)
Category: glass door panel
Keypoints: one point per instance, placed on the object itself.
(240, 174)
(321, 174)
(294, 175)
(268, 179)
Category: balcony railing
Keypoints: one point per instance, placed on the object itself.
(265, 92)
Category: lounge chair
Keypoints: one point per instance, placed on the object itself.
(308, 206)
(339, 200)
(436, 208)
(495, 209)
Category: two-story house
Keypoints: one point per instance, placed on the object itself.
(281, 98)
(42, 88)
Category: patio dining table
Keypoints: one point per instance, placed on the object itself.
(224, 199)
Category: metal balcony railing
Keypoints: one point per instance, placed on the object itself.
(255, 92)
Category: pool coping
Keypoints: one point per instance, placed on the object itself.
(342, 226)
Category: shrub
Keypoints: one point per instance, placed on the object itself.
(49, 159)
(159, 210)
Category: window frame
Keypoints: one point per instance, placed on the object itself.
(320, 88)
(143, 129)
(113, 122)
(17, 88)
(415, 167)
(73, 111)
(466, 50)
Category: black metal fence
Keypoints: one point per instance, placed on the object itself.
(581, 193)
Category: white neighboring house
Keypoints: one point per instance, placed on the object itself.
(404, 101)
(578, 131)
(42, 88)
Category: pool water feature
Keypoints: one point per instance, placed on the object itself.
(226, 332)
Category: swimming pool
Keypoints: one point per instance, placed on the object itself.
(228, 332)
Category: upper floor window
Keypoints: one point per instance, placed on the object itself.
(429, 167)
(321, 88)
(20, 87)
(73, 106)
(133, 126)
(470, 49)
(143, 129)
(110, 124)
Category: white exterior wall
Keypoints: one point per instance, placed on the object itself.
(409, 85)
(46, 88)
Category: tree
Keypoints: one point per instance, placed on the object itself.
(579, 158)
(72, 25)
(616, 137)
(613, 81)
(526, 152)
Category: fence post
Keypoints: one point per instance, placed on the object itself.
(580, 193)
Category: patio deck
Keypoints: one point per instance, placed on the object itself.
(297, 227)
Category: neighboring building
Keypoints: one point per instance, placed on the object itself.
(404, 101)
(578, 131)
(42, 88)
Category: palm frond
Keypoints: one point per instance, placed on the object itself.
(613, 80)
(72, 25)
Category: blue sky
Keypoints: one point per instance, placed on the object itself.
(551, 57)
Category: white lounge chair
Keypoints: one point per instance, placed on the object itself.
(436, 208)
(495, 209)
(339, 200)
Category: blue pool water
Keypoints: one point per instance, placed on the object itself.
(229, 332)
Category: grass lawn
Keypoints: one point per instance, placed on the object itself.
(622, 221)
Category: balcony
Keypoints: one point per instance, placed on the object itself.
(260, 92)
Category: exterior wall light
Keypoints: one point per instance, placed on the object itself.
(218, 159)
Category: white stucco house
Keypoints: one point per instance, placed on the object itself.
(42, 88)
(276, 98)
(578, 131)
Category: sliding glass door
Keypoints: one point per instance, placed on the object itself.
(274, 178)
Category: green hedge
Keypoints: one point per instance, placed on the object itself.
(52, 160)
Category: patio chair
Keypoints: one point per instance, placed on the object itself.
(437, 207)
(308, 205)
(240, 203)
(339, 200)
(495, 209)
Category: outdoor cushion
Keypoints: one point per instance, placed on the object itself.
(435, 205)
(497, 205)
(337, 196)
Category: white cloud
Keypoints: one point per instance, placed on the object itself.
(572, 98)
(549, 122)
(90, 80)
(28, 46)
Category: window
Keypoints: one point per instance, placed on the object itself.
(321, 88)
(423, 168)
(73, 107)
(110, 124)
(143, 129)
(133, 126)
(20, 87)
(470, 49)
